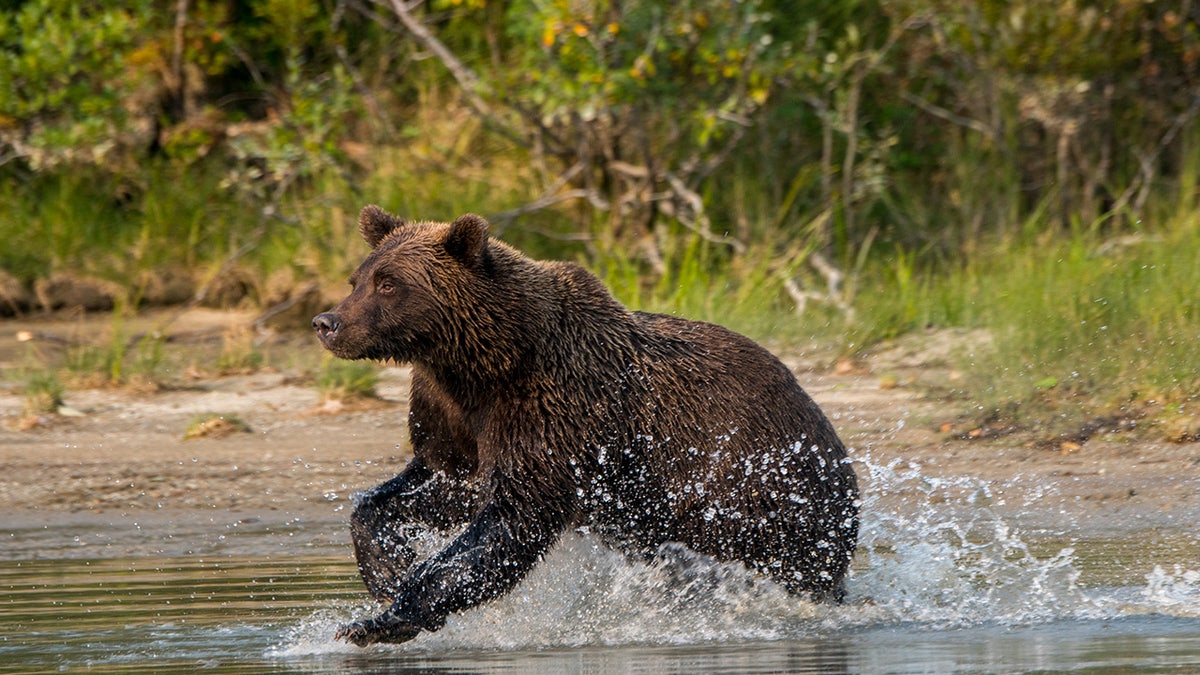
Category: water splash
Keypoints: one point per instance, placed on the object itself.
(585, 593)
(934, 552)
(1176, 592)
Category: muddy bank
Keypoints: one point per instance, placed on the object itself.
(121, 453)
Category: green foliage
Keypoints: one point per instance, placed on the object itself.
(901, 163)
(65, 70)
(595, 56)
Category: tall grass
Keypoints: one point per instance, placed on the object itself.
(1081, 322)
(117, 360)
(703, 282)
(1111, 320)
(189, 217)
(43, 391)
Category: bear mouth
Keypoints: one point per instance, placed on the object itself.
(329, 340)
(339, 344)
(338, 348)
(342, 352)
(327, 326)
(328, 336)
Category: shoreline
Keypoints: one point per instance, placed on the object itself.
(123, 452)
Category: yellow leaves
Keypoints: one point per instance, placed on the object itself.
(556, 27)
(147, 54)
(643, 67)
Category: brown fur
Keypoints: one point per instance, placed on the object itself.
(540, 404)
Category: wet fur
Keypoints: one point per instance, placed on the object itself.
(540, 404)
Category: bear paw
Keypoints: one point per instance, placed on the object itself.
(363, 633)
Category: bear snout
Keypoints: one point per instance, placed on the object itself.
(326, 325)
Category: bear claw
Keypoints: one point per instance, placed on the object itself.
(371, 631)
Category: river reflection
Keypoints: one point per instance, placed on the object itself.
(277, 614)
(941, 583)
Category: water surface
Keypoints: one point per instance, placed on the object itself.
(941, 583)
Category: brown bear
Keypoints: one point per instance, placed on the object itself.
(540, 404)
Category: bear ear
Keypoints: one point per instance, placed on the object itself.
(374, 224)
(467, 238)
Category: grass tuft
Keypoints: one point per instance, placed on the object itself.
(345, 381)
(43, 392)
(214, 425)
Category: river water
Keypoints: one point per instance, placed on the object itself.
(942, 583)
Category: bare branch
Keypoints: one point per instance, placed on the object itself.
(553, 195)
(627, 169)
(800, 296)
(1148, 160)
(12, 153)
(833, 295)
(177, 70)
(368, 96)
(698, 221)
(466, 78)
(944, 114)
(545, 201)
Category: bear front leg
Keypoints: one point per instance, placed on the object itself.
(371, 631)
(496, 551)
(386, 518)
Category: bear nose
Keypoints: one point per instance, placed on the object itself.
(326, 323)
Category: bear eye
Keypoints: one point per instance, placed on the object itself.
(385, 287)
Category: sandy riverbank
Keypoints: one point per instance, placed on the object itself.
(124, 452)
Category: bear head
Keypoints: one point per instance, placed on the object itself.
(408, 293)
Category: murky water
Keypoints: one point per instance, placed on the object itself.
(941, 584)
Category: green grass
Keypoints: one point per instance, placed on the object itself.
(1082, 324)
(239, 352)
(117, 359)
(43, 391)
(702, 281)
(339, 380)
(1108, 320)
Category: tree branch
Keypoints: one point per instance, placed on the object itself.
(552, 196)
(944, 114)
(466, 78)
